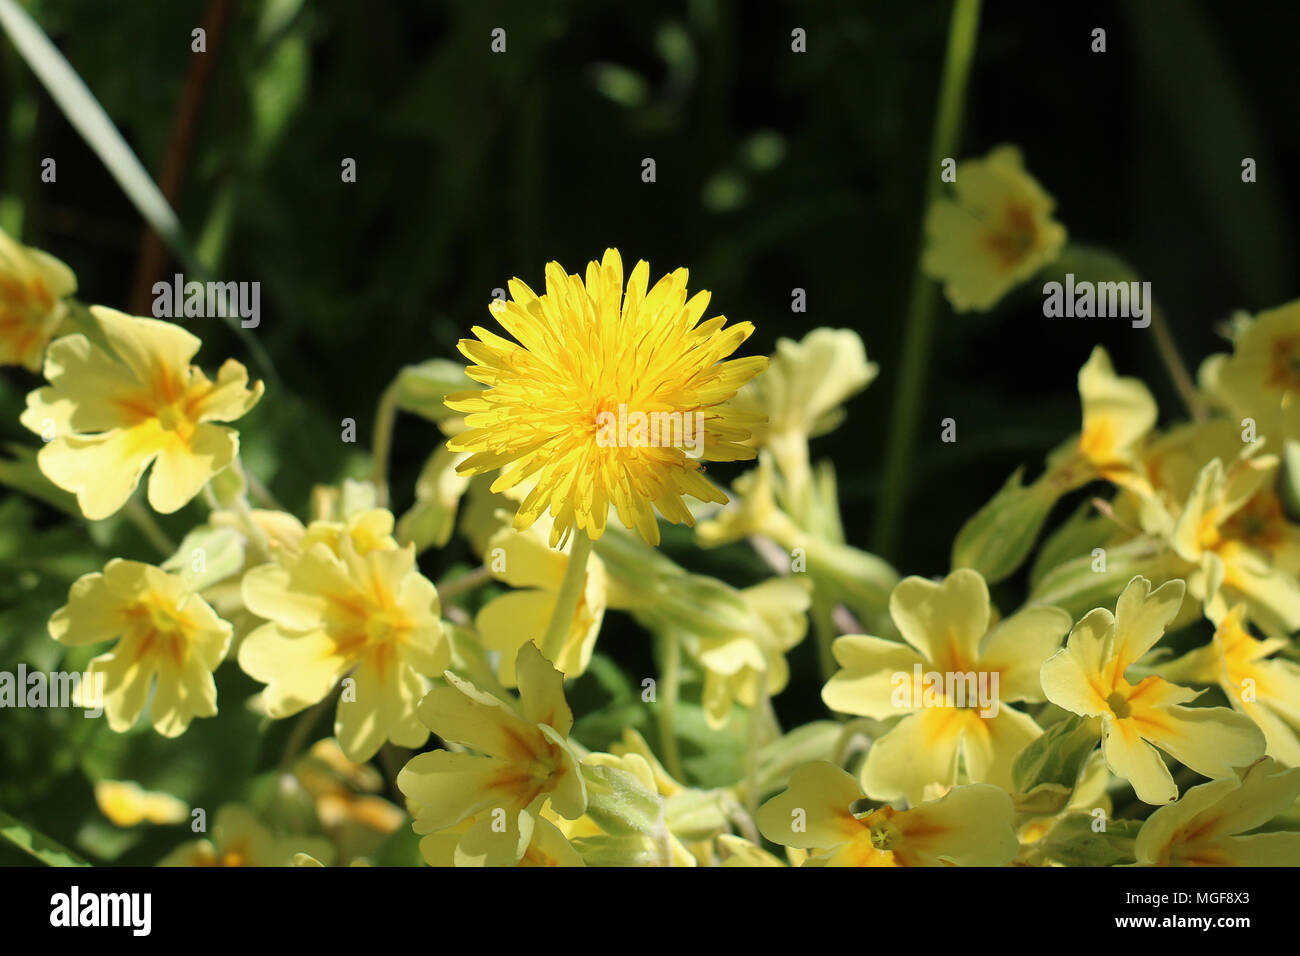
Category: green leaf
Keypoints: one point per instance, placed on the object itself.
(37, 844)
(1081, 532)
(1074, 842)
(1047, 770)
(1086, 582)
(998, 537)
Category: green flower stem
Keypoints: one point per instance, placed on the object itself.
(385, 419)
(669, 694)
(566, 602)
(1101, 265)
(758, 716)
(826, 632)
(464, 584)
(910, 393)
(143, 519)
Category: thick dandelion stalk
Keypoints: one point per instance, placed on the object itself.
(909, 395)
(566, 602)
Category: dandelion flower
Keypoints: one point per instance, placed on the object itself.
(605, 396)
(110, 417)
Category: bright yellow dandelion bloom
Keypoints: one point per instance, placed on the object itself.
(952, 679)
(166, 632)
(371, 617)
(606, 397)
(1087, 677)
(110, 417)
(995, 233)
(33, 286)
(1205, 827)
(969, 826)
(1264, 688)
(523, 759)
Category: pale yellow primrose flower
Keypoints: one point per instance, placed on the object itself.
(507, 622)
(969, 826)
(372, 617)
(127, 804)
(1205, 827)
(995, 233)
(33, 286)
(1261, 379)
(1266, 690)
(1118, 415)
(740, 665)
(111, 417)
(946, 627)
(240, 839)
(166, 631)
(523, 759)
(1234, 533)
(546, 844)
(804, 388)
(1087, 677)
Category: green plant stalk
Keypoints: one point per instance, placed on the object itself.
(143, 519)
(36, 843)
(566, 602)
(670, 692)
(909, 395)
(385, 421)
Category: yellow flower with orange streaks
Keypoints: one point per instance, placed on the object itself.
(1241, 548)
(239, 839)
(969, 826)
(1261, 378)
(333, 614)
(33, 285)
(1263, 687)
(966, 721)
(523, 759)
(1088, 677)
(167, 632)
(105, 417)
(1215, 823)
(606, 397)
(994, 233)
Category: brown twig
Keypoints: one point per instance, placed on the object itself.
(153, 253)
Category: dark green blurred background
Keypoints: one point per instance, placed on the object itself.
(775, 170)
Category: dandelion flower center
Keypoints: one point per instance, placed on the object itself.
(607, 396)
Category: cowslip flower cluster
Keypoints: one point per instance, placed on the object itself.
(972, 733)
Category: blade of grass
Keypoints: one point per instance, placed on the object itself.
(37, 844)
(89, 119)
(910, 393)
